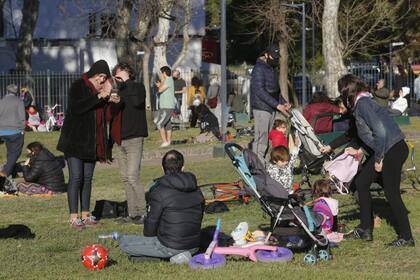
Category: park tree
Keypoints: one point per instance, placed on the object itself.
(25, 38)
(354, 28)
(332, 47)
(274, 20)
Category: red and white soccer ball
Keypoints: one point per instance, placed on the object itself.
(94, 257)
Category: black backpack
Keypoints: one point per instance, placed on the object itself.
(107, 209)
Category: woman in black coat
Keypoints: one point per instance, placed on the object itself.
(83, 138)
(43, 172)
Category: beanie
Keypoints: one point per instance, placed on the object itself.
(99, 67)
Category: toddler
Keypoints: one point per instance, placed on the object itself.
(327, 206)
(280, 167)
(277, 135)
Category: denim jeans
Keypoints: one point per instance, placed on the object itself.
(129, 159)
(14, 144)
(138, 246)
(263, 124)
(80, 184)
(178, 104)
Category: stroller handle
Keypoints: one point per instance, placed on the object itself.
(229, 149)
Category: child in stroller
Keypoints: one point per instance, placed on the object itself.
(285, 210)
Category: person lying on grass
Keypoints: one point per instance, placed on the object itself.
(175, 212)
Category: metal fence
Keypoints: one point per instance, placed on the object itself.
(50, 88)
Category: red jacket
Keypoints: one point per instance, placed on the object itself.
(324, 124)
(277, 138)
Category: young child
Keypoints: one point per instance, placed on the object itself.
(277, 135)
(34, 119)
(327, 206)
(399, 106)
(280, 167)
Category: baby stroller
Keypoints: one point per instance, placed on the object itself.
(284, 209)
(310, 156)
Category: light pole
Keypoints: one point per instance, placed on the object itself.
(391, 45)
(302, 5)
(223, 88)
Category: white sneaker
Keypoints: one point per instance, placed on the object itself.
(165, 144)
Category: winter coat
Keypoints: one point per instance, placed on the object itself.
(175, 211)
(265, 92)
(45, 169)
(78, 134)
(375, 127)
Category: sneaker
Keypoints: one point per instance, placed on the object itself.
(137, 220)
(401, 242)
(165, 144)
(77, 224)
(359, 233)
(90, 221)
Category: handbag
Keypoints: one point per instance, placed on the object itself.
(212, 102)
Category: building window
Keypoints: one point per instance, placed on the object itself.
(92, 24)
(107, 26)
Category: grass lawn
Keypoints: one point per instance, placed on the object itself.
(55, 251)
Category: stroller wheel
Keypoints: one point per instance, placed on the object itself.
(324, 255)
(309, 259)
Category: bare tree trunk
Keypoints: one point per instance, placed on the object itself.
(25, 42)
(2, 18)
(284, 69)
(161, 37)
(146, 77)
(185, 33)
(122, 31)
(332, 48)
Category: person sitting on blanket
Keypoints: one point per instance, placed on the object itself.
(175, 212)
(42, 171)
(327, 206)
(280, 167)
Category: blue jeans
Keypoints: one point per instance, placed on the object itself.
(142, 246)
(80, 184)
(14, 144)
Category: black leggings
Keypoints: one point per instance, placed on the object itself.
(80, 184)
(391, 177)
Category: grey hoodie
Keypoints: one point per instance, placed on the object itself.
(12, 113)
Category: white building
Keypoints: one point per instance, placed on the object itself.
(69, 35)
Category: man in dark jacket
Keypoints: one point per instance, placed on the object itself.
(265, 98)
(130, 146)
(175, 212)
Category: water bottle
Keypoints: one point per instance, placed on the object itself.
(113, 236)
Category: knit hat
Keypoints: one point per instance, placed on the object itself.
(12, 88)
(405, 90)
(99, 67)
(274, 51)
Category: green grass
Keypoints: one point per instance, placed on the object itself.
(55, 251)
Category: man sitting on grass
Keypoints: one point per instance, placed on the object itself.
(175, 211)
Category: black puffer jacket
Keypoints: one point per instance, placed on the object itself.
(45, 169)
(175, 211)
(265, 92)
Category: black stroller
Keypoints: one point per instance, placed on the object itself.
(286, 210)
